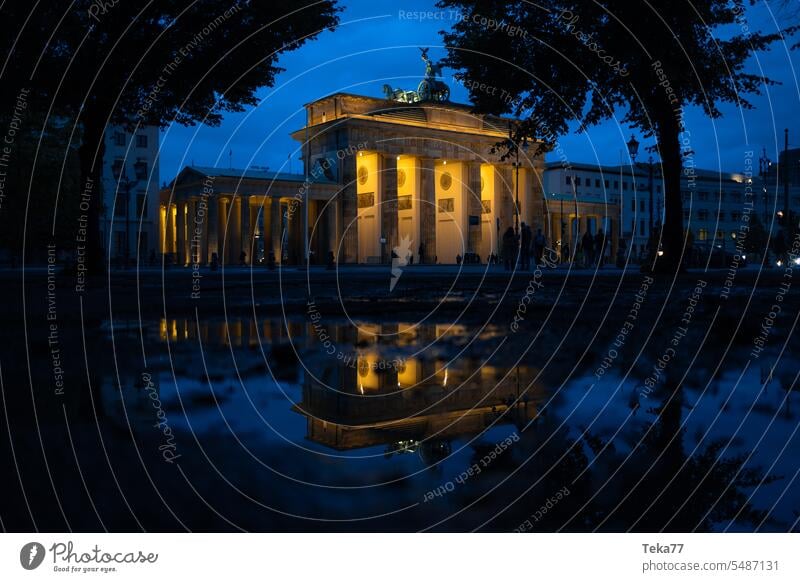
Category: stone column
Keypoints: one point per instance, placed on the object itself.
(180, 239)
(249, 225)
(427, 210)
(236, 228)
(331, 217)
(389, 205)
(275, 228)
(191, 225)
(474, 206)
(201, 211)
(210, 229)
(223, 234)
(162, 228)
(170, 229)
(349, 210)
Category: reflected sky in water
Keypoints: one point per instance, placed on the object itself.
(353, 420)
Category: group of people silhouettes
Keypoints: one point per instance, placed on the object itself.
(593, 248)
(590, 252)
(524, 244)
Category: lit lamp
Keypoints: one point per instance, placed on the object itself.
(633, 148)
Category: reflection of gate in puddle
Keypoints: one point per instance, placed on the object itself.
(380, 403)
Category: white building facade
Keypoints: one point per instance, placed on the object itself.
(714, 203)
(129, 223)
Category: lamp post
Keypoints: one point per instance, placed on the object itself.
(633, 151)
(764, 165)
(786, 178)
(124, 183)
(563, 229)
(515, 147)
(650, 187)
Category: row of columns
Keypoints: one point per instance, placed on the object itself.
(426, 198)
(197, 228)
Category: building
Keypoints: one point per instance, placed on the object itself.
(716, 205)
(585, 197)
(407, 174)
(129, 222)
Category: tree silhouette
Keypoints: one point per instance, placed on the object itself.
(565, 61)
(160, 62)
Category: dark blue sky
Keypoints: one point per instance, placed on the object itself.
(376, 44)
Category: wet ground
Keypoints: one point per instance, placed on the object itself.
(542, 402)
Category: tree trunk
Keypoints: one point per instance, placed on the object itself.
(90, 153)
(672, 240)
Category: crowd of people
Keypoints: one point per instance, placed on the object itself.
(522, 247)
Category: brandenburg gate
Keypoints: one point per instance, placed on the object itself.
(407, 174)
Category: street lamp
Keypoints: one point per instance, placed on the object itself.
(764, 165)
(633, 148)
(650, 186)
(633, 151)
(514, 146)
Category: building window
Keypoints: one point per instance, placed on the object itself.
(119, 139)
(720, 215)
(596, 183)
(702, 234)
(569, 179)
(720, 234)
(606, 183)
(703, 195)
(141, 204)
(140, 168)
(686, 214)
(119, 206)
(702, 214)
(624, 185)
(141, 141)
(735, 216)
(120, 240)
(117, 167)
(633, 205)
(722, 196)
(633, 227)
(404, 202)
(642, 231)
(616, 184)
